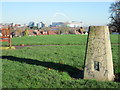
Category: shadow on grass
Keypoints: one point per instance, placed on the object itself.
(72, 71)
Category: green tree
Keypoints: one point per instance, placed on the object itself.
(26, 32)
(63, 29)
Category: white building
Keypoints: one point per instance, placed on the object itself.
(40, 25)
(75, 24)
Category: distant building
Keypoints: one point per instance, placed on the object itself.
(75, 24)
(57, 24)
(25, 24)
(40, 25)
(31, 24)
(52, 33)
(35, 24)
(1, 26)
(12, 24)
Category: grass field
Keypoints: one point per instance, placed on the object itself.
(55, 40)
(51, 66)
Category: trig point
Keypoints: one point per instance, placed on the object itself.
(98, 60)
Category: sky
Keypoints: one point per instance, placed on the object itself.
(90, 13)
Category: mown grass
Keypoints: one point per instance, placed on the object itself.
(49, 40)
(51, 67)
(55, 40)
(28, 67)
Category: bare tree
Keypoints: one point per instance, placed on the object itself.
(63, 29)
(115, 17)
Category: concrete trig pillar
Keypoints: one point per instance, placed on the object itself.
(98, 60)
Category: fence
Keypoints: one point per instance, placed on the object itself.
(5, 35)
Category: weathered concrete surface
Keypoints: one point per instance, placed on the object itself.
(98, 60)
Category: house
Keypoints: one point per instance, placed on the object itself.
(32, 33)
(52, 32)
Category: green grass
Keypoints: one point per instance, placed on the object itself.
(55, 40)
(29, 67)
(50, 39)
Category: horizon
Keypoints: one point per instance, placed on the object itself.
(90, 13)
